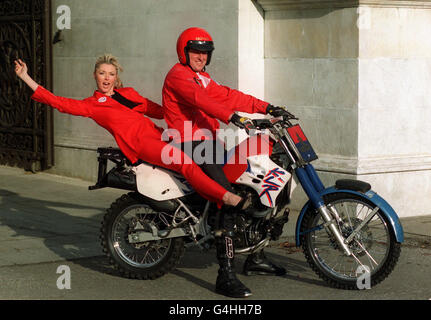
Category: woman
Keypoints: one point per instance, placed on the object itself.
(121, 111)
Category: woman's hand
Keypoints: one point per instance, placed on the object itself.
(20, 68)
(21, 71)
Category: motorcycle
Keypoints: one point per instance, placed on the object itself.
(341, 229)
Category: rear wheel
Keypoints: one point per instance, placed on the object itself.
(143, 260)
(375, 250)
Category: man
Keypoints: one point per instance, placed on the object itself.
(189, 94)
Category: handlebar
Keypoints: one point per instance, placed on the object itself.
(269, 123)
(262, 124)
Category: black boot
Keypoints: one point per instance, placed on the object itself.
(227, 283)
(258, 263)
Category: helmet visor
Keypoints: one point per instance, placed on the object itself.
(204, 46)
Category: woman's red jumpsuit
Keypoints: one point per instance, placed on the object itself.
(136, 135)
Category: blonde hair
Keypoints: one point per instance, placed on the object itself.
(108, 58)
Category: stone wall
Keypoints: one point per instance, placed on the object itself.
(311, 66)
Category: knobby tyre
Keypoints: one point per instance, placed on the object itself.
(144, 260)
(375, 247)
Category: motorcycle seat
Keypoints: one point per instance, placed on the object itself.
(355, 185)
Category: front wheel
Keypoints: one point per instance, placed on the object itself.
(375, 249)
(143, 260)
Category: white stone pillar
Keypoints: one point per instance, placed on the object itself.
(394, 102)
(251, 48)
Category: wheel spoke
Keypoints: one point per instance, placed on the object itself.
(370, 258)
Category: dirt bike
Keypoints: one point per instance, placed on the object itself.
(340, 228)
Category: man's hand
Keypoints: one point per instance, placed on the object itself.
(242, 122)
(278, 112)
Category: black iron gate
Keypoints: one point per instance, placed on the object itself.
(25, 126)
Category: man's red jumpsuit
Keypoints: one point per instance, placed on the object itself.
(195, 97)
(136, 135)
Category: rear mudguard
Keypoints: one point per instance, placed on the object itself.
(370, 195)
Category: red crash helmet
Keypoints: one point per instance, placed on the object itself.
(194, 38)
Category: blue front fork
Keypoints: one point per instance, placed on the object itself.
(313, 187)
(311, 184)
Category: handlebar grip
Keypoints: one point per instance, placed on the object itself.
(262, 123)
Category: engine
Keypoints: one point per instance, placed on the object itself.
(254, 224)
(251, 225)
(249, 231)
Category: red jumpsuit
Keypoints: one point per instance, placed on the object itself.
(195, 97)
(136, 135)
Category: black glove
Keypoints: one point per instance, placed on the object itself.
(242, 122)
(278, 112)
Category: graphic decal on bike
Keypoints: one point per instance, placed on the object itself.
(229, 247)
(269, 183)
(248, 167)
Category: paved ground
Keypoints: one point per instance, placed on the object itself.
(48, 221)
(93, 278)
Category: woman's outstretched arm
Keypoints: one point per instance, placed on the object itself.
(62, 104)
